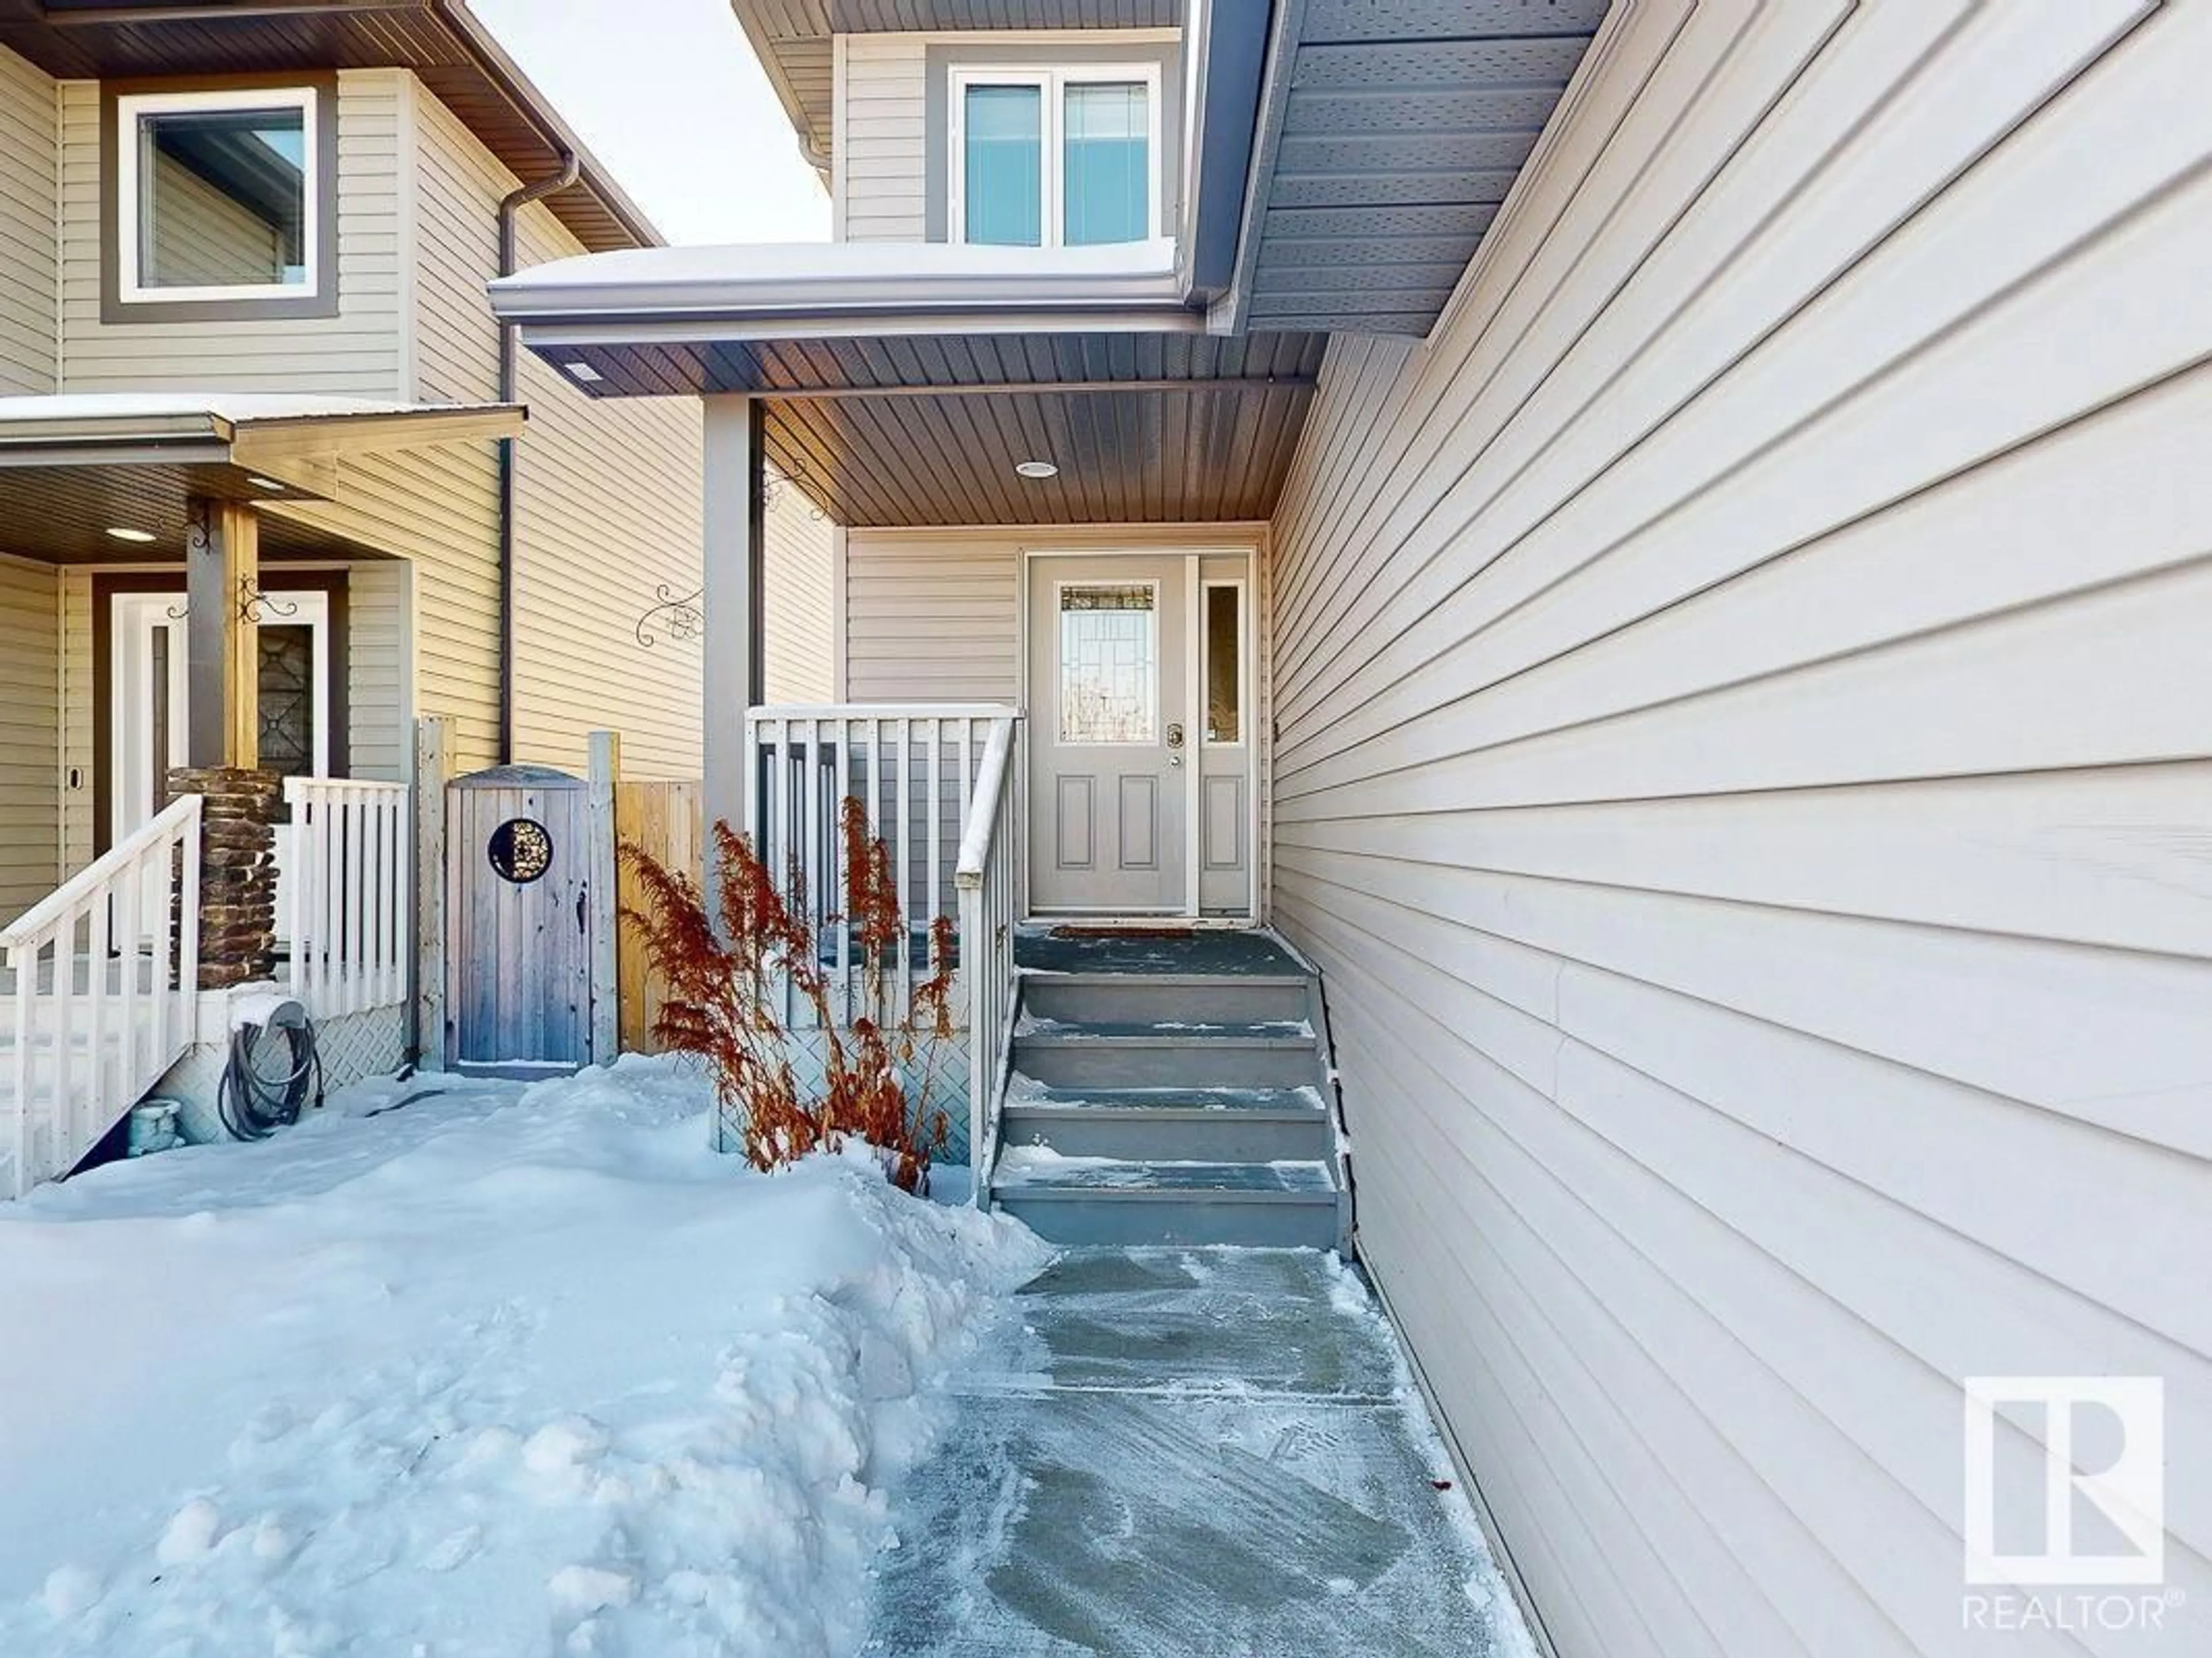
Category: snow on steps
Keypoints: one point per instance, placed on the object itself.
(1169, 1107)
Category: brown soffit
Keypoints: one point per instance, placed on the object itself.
(442, 41)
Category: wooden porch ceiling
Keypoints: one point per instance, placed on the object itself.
(61, 514)
(924, 431)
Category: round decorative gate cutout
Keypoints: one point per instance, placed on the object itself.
(521, 850)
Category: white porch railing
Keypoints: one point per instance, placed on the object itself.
(344, 899)
(990, 898)
(916, 770)
(104, 977)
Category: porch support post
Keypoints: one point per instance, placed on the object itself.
(735, 530)
(222, 575)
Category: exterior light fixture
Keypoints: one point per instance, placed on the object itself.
(121, 534)
(266, 483)
(1036, 469)
(583, 371)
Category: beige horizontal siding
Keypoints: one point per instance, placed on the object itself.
(358, 352)
(880, 144)
(607, 508)
(28, 179)
(30, 726)
(380, 679)
(799, 619)
(1744, 771)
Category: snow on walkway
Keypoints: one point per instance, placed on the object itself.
(504, 1371)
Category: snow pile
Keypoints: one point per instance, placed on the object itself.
(503, 1371)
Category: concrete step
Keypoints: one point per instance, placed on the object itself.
(1215, 1125)
(1197, 998)
(1168, 1054)
(1105, 1200)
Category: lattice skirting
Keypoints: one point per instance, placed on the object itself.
(355, 1045)
(948, 1092)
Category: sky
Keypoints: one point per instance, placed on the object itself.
(669, 97)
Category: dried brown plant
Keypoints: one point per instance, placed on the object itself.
(740, 975)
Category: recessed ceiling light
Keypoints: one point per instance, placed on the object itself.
(121, 534)
(583, 371)
(1036, 469)
(265, 483)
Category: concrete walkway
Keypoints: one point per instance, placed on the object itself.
(1189, 1454)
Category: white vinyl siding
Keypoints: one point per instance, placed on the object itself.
(379, 681)
(30, 726)
(931, 618)
(800, 658)
(880, 144)
(607, 505)
(1744, 771)
(26, 228)
(356, 353)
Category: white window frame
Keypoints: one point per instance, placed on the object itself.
(1052, 83)
(130, 108)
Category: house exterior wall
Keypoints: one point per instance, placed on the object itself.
(357, 353)
(879, 191)
(27, 243)
(890, 117)
(800, 599)
(1743, 764)
(30, 726)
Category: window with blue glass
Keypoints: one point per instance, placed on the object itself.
(1004, 187)
(1051, 158)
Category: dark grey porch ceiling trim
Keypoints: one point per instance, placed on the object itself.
(1389, 135)
(925, 429)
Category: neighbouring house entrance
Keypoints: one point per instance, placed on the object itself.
(1140, 734)
(149, 706)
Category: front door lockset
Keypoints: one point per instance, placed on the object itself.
(1175, 736)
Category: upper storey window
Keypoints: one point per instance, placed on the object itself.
(220, 201)
(1054, 157)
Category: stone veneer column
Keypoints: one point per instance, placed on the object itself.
(238, 871)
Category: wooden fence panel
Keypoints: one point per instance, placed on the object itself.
(667, 820)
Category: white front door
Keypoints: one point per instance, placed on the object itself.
(150, 710)
(1110, 735)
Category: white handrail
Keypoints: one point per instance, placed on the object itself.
(988, 893)
(88, 1038)
(70, 895)
(990, 783)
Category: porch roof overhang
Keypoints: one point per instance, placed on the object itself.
(73, 468)
(903, 383)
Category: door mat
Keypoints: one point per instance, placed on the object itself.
(1120, 932)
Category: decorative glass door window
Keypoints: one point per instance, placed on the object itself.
(218, 195)
(1054, 158)
(1224, 645)
(1110, 662)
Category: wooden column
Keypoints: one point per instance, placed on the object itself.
(602, 890)
(222, 575)
(730, 677)
(434, 748)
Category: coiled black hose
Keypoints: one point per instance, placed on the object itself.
(253, 1105)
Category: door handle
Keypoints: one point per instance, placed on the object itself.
(1175, 760)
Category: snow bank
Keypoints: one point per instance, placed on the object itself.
(506, 1370)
